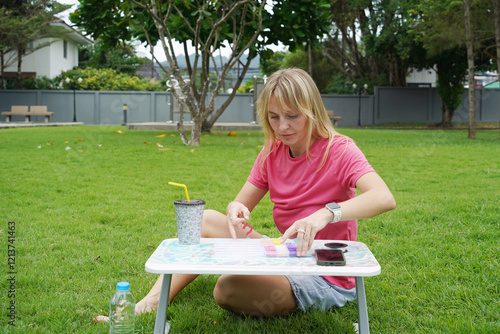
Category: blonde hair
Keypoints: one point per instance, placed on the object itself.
(294, 90)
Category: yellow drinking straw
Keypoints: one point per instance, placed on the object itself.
(181, 185)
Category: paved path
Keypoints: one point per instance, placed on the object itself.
(6, 125)
(163, 126)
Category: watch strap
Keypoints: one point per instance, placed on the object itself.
(336, 210)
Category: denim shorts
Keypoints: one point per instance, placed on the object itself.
(316, 292)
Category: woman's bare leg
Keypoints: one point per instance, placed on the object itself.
(150, 301)
(214, 226)
(255, 295)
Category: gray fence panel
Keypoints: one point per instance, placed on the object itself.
(241, 109)
(408, 105)
(161, 109)
(20, 97)
(435, 111)
(86, 108)
(63, 104)
(461, 115)
(349, 107)
(489, 109)
(388, 105)
(111, 105)
(487, 106)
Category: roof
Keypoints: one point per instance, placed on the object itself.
(494, 84)
(148, 72)
(73, 34)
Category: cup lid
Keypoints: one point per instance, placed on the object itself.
(122, 286)
(191, 202)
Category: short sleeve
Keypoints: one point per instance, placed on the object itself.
(258, 174)
(352, 165)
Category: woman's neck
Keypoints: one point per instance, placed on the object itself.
(297, 152)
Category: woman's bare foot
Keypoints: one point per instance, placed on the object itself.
(101, 318)
(146, 305)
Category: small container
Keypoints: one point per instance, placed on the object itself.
(122, 310)
(189, 216)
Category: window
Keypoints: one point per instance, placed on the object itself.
(30, 47)
(65, 49)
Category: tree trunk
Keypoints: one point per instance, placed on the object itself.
(180, 125)
(19, 67)
(447, 117)
(470, 62)
(310, 59)
(496, 5)
(196, 132)
(2, 74)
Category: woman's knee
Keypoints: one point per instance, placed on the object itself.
(213, 223)
(225, 291)
(209, 216)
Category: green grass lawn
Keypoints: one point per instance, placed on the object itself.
(90, 206)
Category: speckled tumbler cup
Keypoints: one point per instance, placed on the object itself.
(189, 217)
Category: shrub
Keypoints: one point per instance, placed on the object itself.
(33, 83)
(106, 79)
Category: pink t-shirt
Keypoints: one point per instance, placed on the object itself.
(297, 190)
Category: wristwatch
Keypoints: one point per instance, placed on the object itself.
(336, 210)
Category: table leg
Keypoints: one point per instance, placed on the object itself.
(161, 313)
(362, 307)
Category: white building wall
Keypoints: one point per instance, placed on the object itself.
(33, 61)
(57, 61)
(49, 61)
(426, 76)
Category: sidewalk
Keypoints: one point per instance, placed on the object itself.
(5, 125)
(163, 126)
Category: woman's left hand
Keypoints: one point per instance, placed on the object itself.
(305, 230)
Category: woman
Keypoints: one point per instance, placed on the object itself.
(305, 165)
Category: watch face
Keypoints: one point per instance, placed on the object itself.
(333, 206)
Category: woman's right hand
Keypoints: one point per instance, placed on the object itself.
(237, 215)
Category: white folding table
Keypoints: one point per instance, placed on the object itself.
(248, 257)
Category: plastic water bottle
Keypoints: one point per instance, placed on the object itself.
(122, 310)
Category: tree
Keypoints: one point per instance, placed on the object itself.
(23, 22)
(206, 25)
(298, 25)
(207, 28)
(450, 66)
(121, 58)
(441, 27)
(371, 41)
(323, 69)
(469, 42)
(496, 11)
(436, 27)
(272, 62)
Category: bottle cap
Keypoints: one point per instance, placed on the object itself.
(122, 286)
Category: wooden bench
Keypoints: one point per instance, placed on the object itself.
(15, 110)
(41, 111)
(23, 111)
(333, 118)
